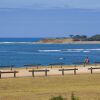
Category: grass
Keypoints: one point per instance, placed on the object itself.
(86, 87)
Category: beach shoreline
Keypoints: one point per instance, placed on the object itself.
(23, 72)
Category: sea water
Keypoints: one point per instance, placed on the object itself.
(22, 51)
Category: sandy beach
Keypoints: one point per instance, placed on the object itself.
(23, 72)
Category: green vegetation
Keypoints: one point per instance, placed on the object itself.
(85, 38)
(85, 86)
(94, 38)
(73, 97)
(57, 98)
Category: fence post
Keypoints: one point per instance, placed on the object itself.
(33, 73)
(91, 70)
(0, 74)
(14, 74)
(37, 66)
(51, 66)
(11, 68)
(75, 65)
(45, 72)
(63, 72)
(74, 71)
(61, 66)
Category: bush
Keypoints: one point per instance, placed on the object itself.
(73, 97)
(57, 98)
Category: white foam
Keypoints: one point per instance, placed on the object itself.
(75, 49)
(17, 42)
(61, 58)
(72, 51)
(82, 50)
(86, 51)
(94, 49)
(49, 50)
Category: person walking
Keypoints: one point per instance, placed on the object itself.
(87, 61)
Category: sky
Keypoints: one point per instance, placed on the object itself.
(49, 18)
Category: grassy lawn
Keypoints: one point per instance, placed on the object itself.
(85, 86)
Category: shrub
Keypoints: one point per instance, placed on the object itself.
(57, 98)
(73, 97)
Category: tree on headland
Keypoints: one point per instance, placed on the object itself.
(71, 36)
(85, 38)
(79, 37)
(94, 38)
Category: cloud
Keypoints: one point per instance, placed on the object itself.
(84, 4)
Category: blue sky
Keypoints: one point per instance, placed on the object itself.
(49, 18)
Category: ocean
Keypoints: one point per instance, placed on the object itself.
(22, 51)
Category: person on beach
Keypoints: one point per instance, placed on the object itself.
(87, 61)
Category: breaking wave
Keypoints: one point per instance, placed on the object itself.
(17, 42)
(49, 50)
(70, 50)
